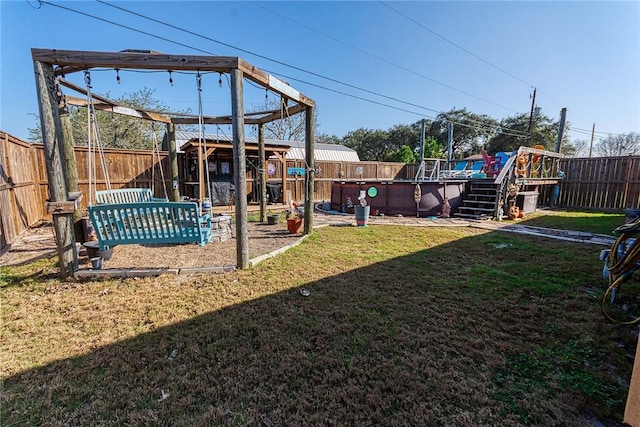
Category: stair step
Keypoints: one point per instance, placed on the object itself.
(493, 196)
(464, 215)
(474, 208)
(473, 205)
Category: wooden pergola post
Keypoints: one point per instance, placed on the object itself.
(239, 168)
(70, 61)
(310, 169)
(70, 166)
(53, 147)
(173, 161)
(262, 180)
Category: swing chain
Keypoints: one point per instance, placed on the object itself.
(87, 79)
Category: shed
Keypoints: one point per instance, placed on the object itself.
(323, 152)
(218, 150)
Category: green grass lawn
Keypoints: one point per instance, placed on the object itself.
(403, 326)
(592, 222)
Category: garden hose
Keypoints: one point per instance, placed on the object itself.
(621, 265)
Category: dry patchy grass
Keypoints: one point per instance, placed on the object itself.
(404, 326)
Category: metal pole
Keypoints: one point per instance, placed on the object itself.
(449, 144)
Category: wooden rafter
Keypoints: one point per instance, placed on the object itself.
(72, 61)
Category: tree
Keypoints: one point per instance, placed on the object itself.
(385, 145)
(288, 128)
(369, 144)
(512, 133)
(625, 144)
(404, 155)
(116, 130)
(404, 135)
(323, 138)
(433, 149)
(470, 131)
(581, 148)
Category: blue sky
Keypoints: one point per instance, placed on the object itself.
(581, 55)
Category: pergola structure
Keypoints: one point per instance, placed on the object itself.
(50, 65)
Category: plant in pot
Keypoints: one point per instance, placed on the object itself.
(294, 219)
(273, 218)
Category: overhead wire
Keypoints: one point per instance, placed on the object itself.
(283, 63)
(478, 57)
(379, 58)
(254, 54)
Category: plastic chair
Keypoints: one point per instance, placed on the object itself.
(491, 164)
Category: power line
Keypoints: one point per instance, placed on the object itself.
(474, 55)
(277, 61)
(295, 67)
(379, 58)
(266, 58)
(456, 45)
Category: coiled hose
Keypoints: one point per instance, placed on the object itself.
(621, 264)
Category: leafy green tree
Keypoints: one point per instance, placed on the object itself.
(401, 135)
(433, 149)
(404, 155)
(512, 133)
(369, 144)
(323, 138)
(470, 131)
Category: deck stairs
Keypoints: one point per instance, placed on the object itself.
(482, 196)
(481, 199)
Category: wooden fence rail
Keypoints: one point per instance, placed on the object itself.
(611, 183)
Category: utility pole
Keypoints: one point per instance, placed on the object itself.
(533, 104)
(563, 118)
(593, 131)
(449, 144)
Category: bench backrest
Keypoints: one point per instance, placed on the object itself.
(126, 195)
(149, 223)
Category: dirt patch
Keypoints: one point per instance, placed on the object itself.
(263, 239)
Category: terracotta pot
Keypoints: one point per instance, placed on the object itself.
(294, 225)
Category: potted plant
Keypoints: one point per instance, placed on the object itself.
(294, 219)
(273, 218)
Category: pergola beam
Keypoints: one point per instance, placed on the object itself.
(71, 61)
(118, 109)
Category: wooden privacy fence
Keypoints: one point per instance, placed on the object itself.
(611, 183)
(21, 202)
(600, 183)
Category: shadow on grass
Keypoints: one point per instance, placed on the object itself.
(487, 329)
